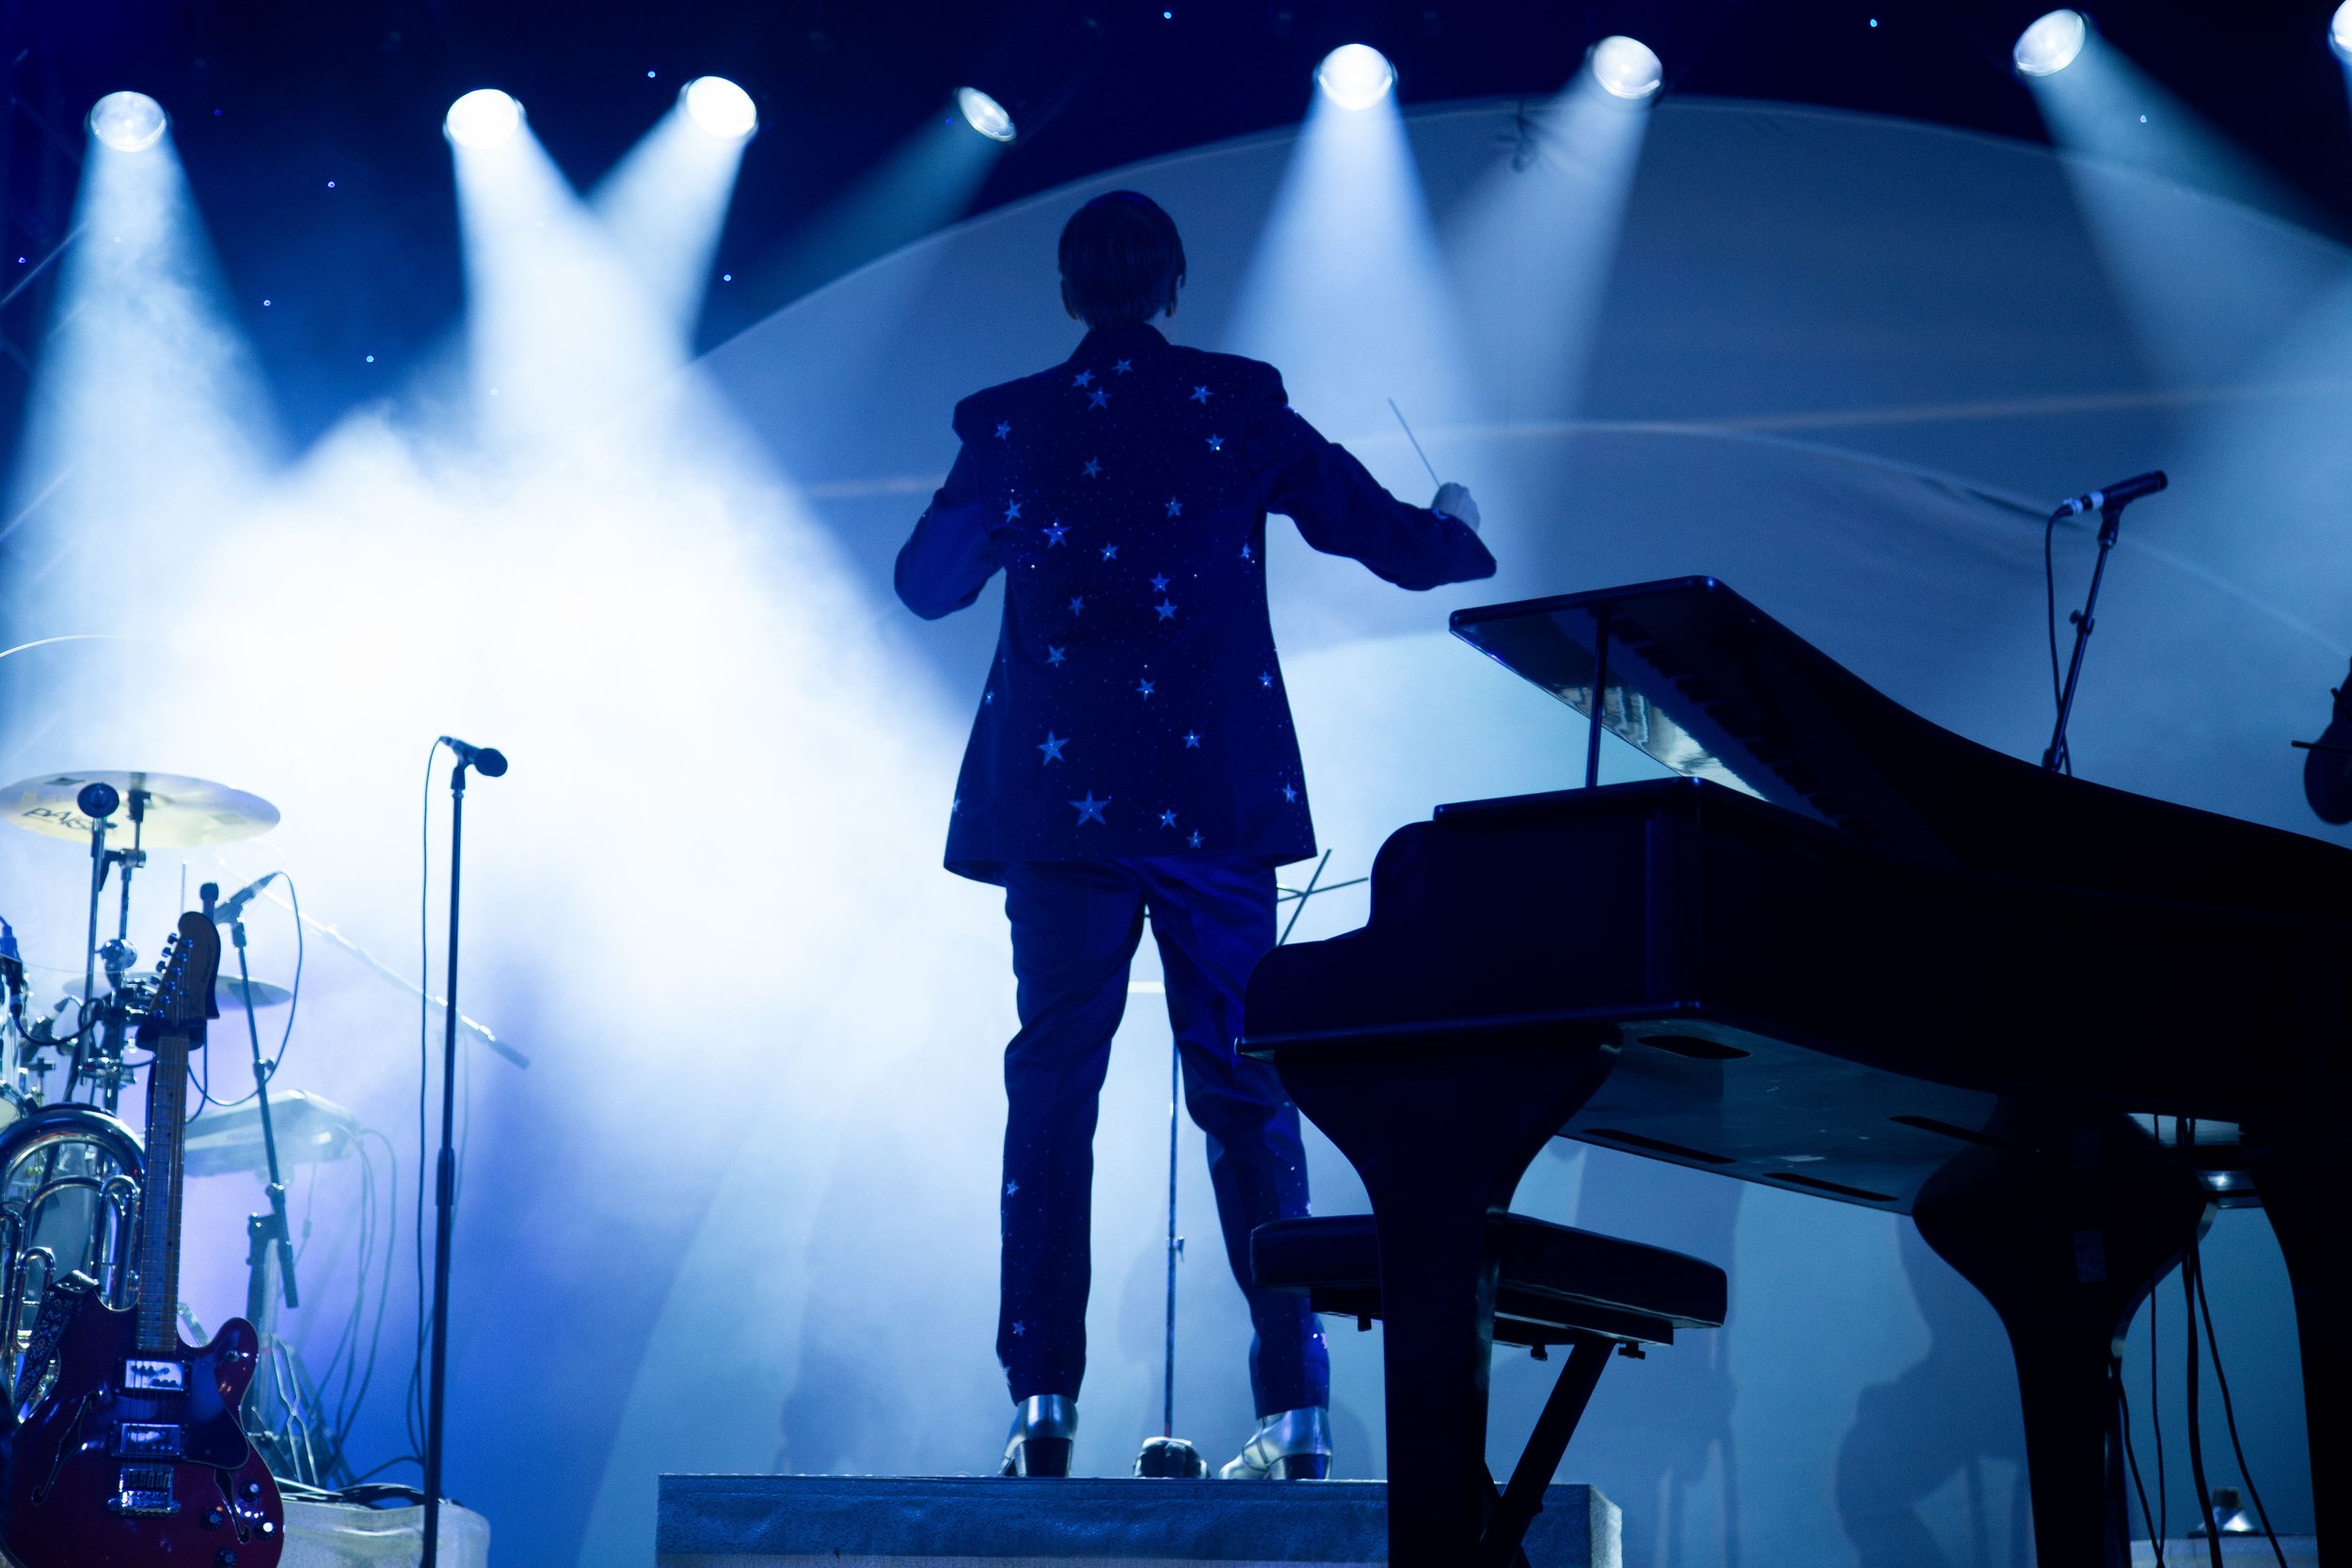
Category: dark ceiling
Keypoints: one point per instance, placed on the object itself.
(274, 98)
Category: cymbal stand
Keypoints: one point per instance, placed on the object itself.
(118, 957)
(103, 1066)
(100, 862)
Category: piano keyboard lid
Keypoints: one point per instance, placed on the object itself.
(1711, 686)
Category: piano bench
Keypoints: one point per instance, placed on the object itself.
(1557, 1282)
(1557, 1285)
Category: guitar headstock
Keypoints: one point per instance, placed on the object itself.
(183, 980)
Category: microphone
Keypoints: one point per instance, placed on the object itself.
(231, 909)
(488, 761)
(2115, 494)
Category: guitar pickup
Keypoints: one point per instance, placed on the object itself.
(147, 1440)
(143, 1376)
(143, 1490)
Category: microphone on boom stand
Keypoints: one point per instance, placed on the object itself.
(490, 763)
(231, 909)
(2115, 495)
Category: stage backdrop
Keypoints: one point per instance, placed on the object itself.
(739, 1214)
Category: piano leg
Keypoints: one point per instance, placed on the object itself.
(2066, 1248)
(1441, 1141)
(2301, 1184)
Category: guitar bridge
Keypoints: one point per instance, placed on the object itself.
(143, 1491)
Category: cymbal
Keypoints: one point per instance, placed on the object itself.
(227, 991)
(227, 1141)
(61, 988)
(181, 812)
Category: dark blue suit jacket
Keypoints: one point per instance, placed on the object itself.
(1135, 707)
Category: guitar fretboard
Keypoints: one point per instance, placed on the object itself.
(159, 1201)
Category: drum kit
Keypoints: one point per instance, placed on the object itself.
(71, 1170)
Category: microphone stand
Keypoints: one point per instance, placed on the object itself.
(2110, 515)
(444, 1184)
(269, 1231)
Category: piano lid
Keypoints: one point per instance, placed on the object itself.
(1710, 685)
(1713, 687)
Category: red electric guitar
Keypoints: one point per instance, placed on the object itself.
(127, 1451)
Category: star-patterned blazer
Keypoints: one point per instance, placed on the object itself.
(1135, 707)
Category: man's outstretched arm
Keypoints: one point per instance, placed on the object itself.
(951, 556)
(1342, 510)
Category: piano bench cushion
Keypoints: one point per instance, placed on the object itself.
(1554, 1277)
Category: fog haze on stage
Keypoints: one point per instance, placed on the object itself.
(739, 1213)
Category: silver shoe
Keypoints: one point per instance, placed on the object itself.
(1291, 1445)
(1039, 1444)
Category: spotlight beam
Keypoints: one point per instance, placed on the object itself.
(665, 203)
(1349, 241)
(927, 182)
(1532, 245)
(2122, 130)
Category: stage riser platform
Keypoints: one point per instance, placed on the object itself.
(993, 1522)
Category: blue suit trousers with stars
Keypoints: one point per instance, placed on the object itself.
(1076, 925)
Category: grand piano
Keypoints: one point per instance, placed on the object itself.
(1844, 953)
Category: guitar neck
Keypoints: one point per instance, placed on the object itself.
(159, 1205)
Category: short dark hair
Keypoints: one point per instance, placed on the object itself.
(1121, 258)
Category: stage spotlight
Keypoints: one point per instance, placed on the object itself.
(2050, 43)
(2340, 32)
(719, 108)
(127, 122)
(984, 113)
(1627, 67)
(1355, 75)
(483, 118)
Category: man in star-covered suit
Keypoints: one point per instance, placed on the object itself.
(1133, 756)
